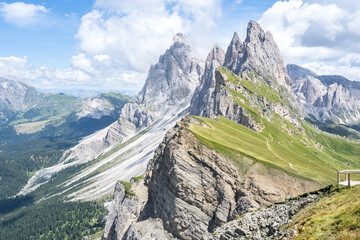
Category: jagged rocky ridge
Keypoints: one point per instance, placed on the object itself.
(170, 85)
(163, 100)
(258, 59)
(193, 190)
(327, 98)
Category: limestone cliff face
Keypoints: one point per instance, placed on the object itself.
(261, 54)
(122, 212)
(193, 189)
(327, 98)
(200, 189)
(203, 102)
(174, 78)
(257, 60)
(233, 51)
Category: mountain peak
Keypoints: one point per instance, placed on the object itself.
(261, 54)
(216, 53)
(233, 50)
(180, 38)
(174, 78)
(255, 32)
(295, 72)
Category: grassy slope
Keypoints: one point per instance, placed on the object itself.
(336, 216)
(308, 153)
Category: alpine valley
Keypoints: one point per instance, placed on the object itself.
(238, 146)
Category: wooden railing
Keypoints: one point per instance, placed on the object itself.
(347, 174)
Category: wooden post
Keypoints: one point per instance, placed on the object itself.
(338, 178)
(345, 175)
(349, 183)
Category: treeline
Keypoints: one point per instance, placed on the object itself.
(54, 220)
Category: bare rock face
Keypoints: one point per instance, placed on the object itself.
(174, 78)
(124, 210)
(192, 189)
(233, 51)
(95, 107)
(168, 89)
(202, 103)
(266, 223)
(261, 54)
(257, 60)
(326, 101)
(226, 105)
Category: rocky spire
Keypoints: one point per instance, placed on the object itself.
(202, 101)
(233, 51)
(174, 78)
(216, 54)
(261, 54)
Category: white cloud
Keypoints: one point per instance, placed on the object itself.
(21, 14)
(318, 33)
(118, 41)
(137, 32)
(347, 66)
(138, 39)
(98, 72)
(326, 68)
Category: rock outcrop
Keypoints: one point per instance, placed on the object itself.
(164, 99)
(123, 211)
(261, 54)
(169, 87)
(324, 98)
(203, 101)
(232, 52)
(257, 60)
(193, 189)
(266, 223)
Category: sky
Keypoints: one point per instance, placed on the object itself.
(109, 45)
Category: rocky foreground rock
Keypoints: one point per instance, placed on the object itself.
(193, 191)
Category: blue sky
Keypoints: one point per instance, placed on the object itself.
(50, 43)
(110, 44)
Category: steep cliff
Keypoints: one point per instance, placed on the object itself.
(256, 78)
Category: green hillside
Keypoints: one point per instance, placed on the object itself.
(313, 155)
(300, 150)
(334, 216)
(36, 137)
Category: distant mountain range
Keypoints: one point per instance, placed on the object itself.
(329, 99)
(37, 127)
